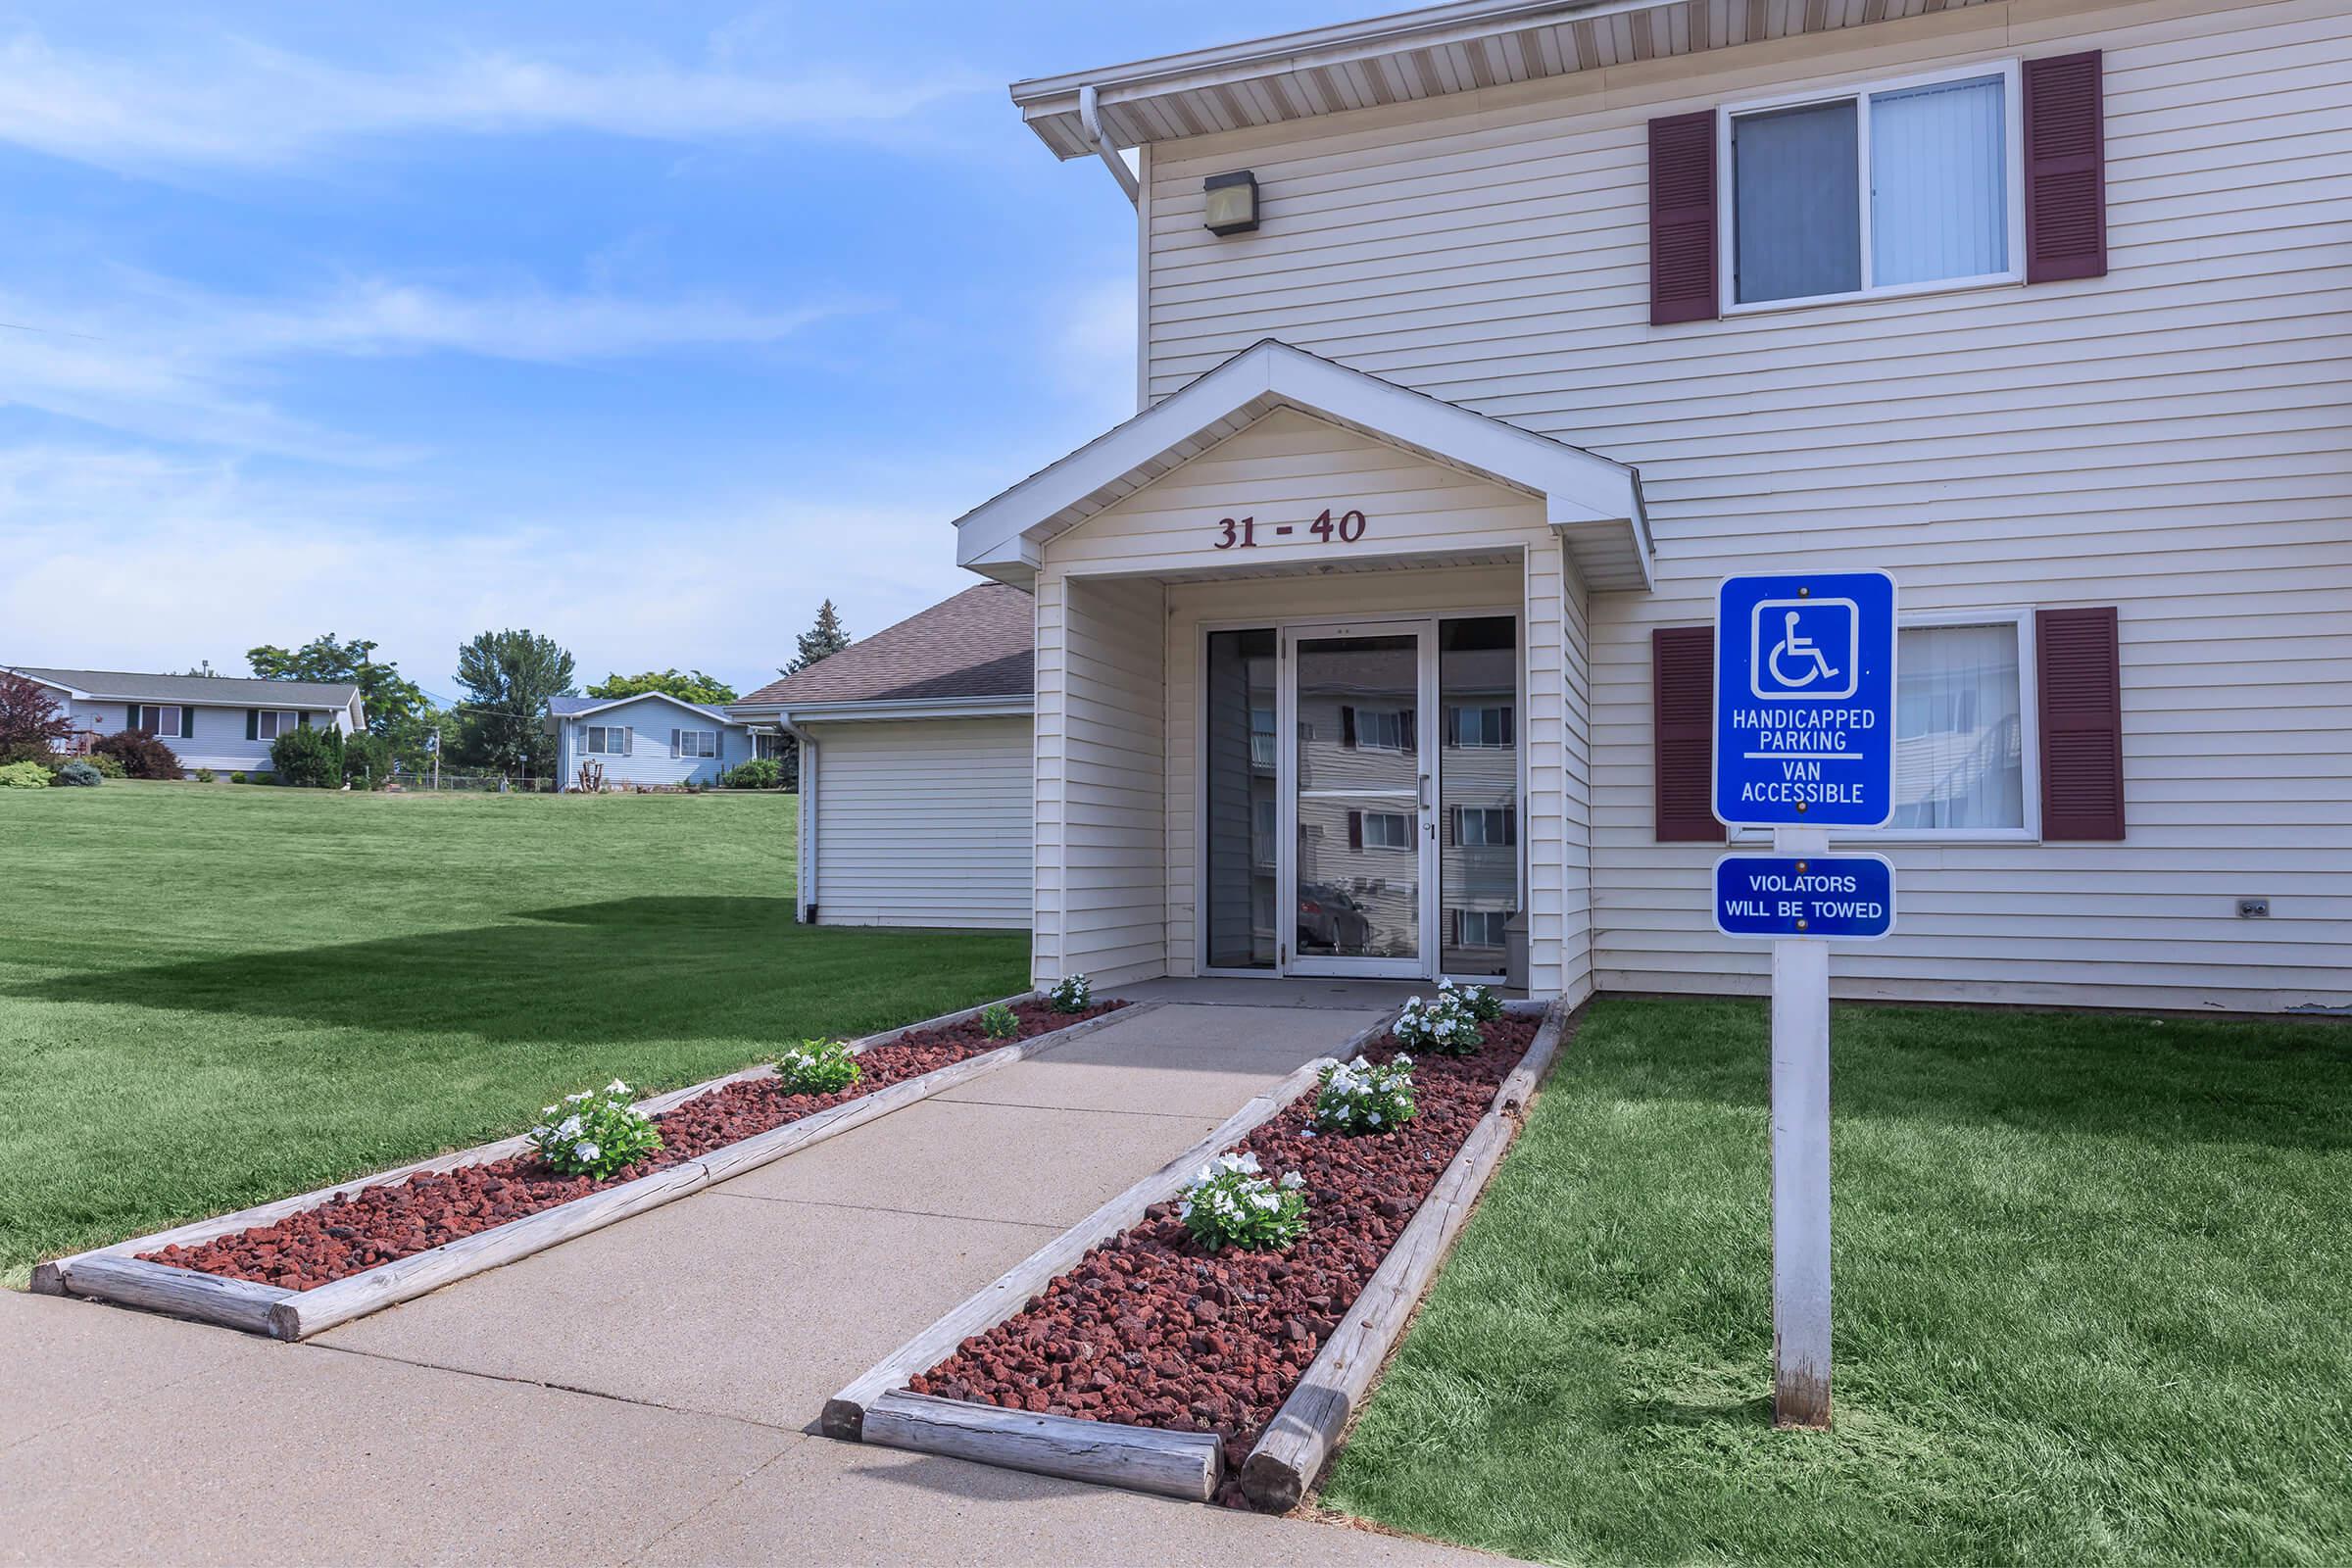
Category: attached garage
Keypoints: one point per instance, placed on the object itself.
(917, 794)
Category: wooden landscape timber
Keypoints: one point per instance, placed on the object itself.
(116, 1274)
(1306, 1430)
(1186, 1465)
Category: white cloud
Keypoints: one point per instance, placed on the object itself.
(248, 105)
(174, 364)
(127, 559)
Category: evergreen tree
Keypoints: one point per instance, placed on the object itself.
(820, 641)
(509, 677)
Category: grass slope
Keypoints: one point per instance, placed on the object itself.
(2090, 1286)
(211, 996)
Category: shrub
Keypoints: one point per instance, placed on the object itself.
(599, 1133)
(236, 778)
(310, 756)
(141, 754)
(1445, 1026)
(366, 760)
(79, 774)
(205, 775)
(815, 1067)
(759, 773)
(999, 1023)
(1071, 994)
(1233, 1204)
(107, 766)
(1358, 1097)
(23, 776)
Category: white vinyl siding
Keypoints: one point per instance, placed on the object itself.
(923, 823)
(2174, 439)
(1101, 706)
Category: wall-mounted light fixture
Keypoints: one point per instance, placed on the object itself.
(1232, 206)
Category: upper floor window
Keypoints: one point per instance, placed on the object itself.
(1385, 729)
(1485, 726)
(1902, 188)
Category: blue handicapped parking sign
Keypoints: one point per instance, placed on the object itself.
(1804, 700)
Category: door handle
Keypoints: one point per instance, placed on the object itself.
(1425, 792)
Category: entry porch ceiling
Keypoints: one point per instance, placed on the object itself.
(1592, 501)
(1428, 53)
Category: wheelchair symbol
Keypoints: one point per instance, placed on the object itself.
(1796, 667)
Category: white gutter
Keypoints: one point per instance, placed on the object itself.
(805, 851)
(1090, 117)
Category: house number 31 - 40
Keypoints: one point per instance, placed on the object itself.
(1240, 533)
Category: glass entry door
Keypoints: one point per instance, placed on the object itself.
(1360, 882)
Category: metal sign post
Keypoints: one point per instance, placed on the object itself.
(1804, 742)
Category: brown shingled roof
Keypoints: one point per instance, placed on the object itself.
(978, 644)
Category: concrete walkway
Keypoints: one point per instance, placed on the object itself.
(648, 1393)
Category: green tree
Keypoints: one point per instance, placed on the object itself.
(398, 709)
(695, 687)
(820, 641)
(509, 677)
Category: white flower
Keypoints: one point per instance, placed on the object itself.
(571, 1127)
(1292, 1181)
(547, 1110)
(617, 1087)
(585, 1150)
(574, 1100)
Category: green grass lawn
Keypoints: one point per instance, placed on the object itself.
(2093, 1303)
(214, 995)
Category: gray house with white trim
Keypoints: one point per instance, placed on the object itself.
(223, 722)
(648, 740)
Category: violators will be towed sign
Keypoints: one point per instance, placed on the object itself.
(1848, 896)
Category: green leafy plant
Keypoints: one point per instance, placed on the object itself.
(594, 1132)
(366, 760)
(759, 773)
(1361, 1097)
(1446, 1026)
(107, 766)
(79, 774)
(1231, 1203)
(1481, 1000)
(999, 1023)
(310, 755)
(815, 1067)
(1071, 994)
(23, 776)
(236, 778)
(205, 775)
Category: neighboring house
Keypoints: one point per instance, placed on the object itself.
(915, 801)
(223, 722)
(647, 740)
(1520, 327)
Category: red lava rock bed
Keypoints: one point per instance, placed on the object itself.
(350, 1235)
(1149, 1330)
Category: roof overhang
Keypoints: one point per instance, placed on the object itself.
(1593, 501)
(903, 708)
(1427, 52)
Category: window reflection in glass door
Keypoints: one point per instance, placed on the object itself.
(1478, 789)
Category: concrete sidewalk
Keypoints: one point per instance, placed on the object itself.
(648, 1393)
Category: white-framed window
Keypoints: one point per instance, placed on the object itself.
(1477, 827)
(1967, 763)
(1388, 830)
(605, 740)
(1482, 725)
(1897, 187)
(271, 723)
(1383, 729)
(169, 723)
(1480, 929)
(694, 742)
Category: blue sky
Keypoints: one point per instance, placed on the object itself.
(646, 326)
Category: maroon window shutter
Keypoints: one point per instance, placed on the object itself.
(2066, 173)
(2079, 692)
(1355, 830)
(1681, 715)
(1682, 218)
